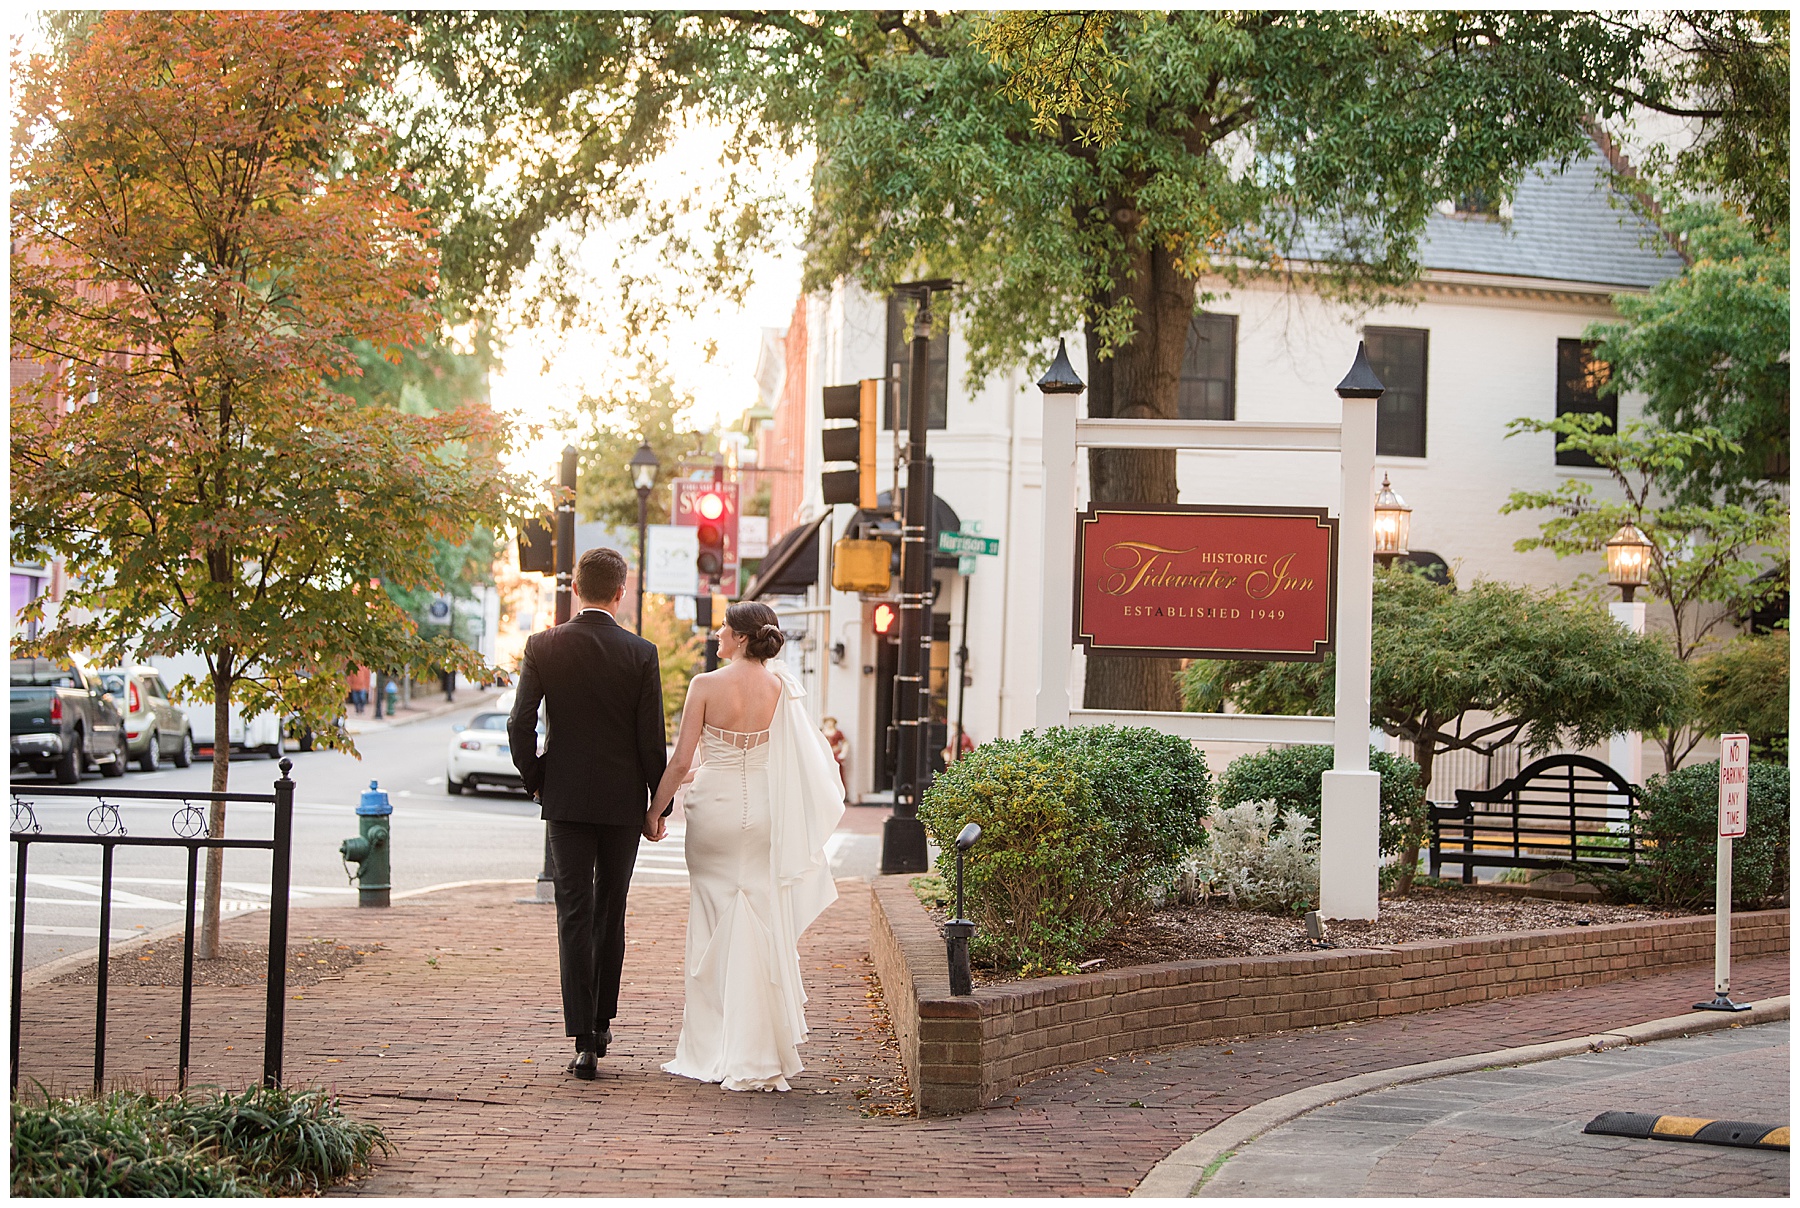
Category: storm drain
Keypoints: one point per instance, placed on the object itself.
(1689, 1128)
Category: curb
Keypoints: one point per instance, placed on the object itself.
(1179, 1174)
(437, 710)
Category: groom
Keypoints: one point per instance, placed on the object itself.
(604, 756)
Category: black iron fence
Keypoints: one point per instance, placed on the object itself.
(107, 831)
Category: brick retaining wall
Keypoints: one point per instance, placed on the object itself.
(962, 1053)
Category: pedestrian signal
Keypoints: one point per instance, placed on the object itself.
(854, 444)
(884, 617)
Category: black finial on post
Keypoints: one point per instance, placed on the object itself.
(1361, 381)
(1061, 377)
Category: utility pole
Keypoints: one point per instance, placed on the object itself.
(903, 847)
(565, 534)
(565, 605)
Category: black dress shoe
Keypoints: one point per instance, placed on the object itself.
(602, 1039)
(585, 1065)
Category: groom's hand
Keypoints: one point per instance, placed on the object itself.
(655, 827)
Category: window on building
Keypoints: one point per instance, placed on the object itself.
(1398, 356)
(899, 350)
(1580, 375)
(1209, 368)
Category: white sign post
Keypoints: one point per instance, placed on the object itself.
(670, 554)
(1734, 823)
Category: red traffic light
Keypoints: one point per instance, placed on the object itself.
(885, 615)
(711, 506)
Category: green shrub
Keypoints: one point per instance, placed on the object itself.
(1291, 777)
(259, 1142)
(1677, 824)
(1262, 858)
(1078, 824)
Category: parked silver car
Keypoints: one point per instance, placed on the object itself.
(156, 728)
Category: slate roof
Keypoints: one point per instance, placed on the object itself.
(1564, 227)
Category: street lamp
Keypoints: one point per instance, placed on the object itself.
(1628, 561)
(643, 476)
(1393, 524)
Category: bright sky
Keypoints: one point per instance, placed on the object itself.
(546, 370)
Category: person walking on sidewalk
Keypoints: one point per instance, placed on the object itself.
(601, 691)
(761, 806)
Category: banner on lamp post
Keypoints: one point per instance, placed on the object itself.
(669, 558)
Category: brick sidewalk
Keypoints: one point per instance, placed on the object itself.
(449, 1037)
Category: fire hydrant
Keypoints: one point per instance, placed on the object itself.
(369, 850)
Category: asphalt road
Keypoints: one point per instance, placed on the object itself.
(437, 839)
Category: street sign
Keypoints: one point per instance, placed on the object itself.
(753, 536)
(1734, 786)
(968, 543)
(965, 564)
(670, 553)
(438, 611)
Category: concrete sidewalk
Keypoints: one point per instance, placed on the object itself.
(448, 1034)
(430, 704)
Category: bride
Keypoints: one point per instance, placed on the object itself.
(761, 805)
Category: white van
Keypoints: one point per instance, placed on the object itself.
(261, 734)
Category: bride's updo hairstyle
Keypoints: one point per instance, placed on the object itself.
(756, 622)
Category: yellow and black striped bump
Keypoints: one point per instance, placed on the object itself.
(1689, 1128)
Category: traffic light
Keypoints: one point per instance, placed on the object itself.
(845, 443)
(537, 546)
(884, 616)
(709, 535)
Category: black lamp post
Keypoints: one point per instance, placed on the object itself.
(644, 466)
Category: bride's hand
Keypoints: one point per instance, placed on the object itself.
(655, 825)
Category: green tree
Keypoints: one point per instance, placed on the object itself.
(1547, 669)
(1743, 689)
(1709, 349)
(204, 224)
(1711, 563)
(613, 424)
(1244, 142)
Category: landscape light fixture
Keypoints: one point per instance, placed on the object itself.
(1393, 524)
(1628, 560)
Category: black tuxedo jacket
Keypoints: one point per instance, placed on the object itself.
(601, 693)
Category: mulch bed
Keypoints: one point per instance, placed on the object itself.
(1215, 931)
(159, 964)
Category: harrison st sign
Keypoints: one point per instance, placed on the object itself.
(1192, 581)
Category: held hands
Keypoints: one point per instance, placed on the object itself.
(655, 825)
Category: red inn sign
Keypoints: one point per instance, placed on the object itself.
(1193, 581)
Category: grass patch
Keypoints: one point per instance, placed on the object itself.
(260, 1141)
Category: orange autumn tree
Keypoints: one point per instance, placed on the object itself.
(204, 220)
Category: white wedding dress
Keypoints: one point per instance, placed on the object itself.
(759, 810)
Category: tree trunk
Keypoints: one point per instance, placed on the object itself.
(215, 816)
(1424, 752)
(1141, 380)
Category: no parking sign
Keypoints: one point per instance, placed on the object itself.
(1734, 786)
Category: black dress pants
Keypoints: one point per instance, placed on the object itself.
(591, 866)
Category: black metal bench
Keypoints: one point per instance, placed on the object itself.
(1558, 811)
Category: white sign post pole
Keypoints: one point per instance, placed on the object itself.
(1734, 818)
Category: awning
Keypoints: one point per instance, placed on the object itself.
(791, 565)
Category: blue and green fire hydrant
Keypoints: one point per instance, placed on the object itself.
(369, 850)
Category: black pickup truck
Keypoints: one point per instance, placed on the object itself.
(64, 720)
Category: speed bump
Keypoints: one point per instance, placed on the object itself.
(1689, 1128)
